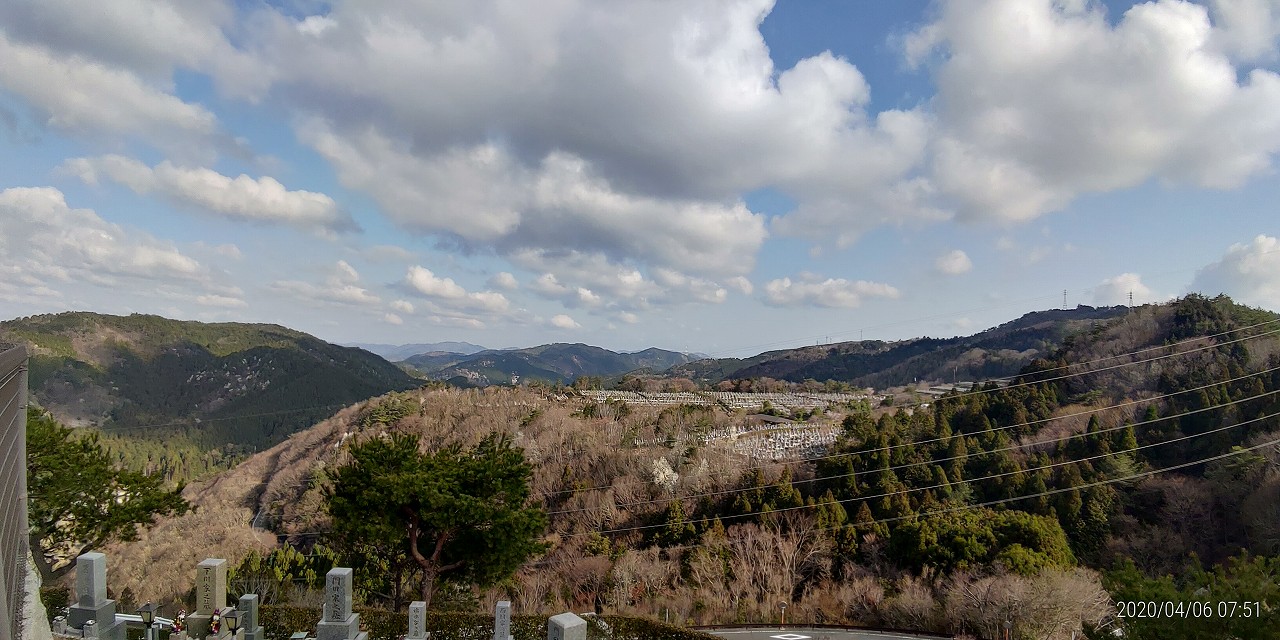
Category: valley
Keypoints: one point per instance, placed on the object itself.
(1103, 453)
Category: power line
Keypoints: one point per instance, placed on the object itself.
(936, 461)
(1014, 426)
(940, 486)
(1233, 452)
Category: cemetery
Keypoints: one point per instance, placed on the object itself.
(93, 615)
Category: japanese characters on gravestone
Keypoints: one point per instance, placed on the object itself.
(249, 617)
(92, 604)
(338, 622)
(502, 621)
(211, 596)
(566, 626)
(418, 621)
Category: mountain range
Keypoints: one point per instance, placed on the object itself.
(555, 363)
(399, 352)
(248, 384)
(998, 352)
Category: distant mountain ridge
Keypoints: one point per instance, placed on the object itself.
(401, 352)
(998, 352)
(556, 363)
(247, 384)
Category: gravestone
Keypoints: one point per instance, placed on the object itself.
(502, 621)
(211, 596)
(418, 621)
(566, 626)
(338, 622)
(92, 607)
(249, 617)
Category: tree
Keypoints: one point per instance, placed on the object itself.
(78, 500)
(459, 514)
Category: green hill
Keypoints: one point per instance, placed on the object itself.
(558, 362)
(995, 353)
(229, 386)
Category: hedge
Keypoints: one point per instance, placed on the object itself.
(281, 622)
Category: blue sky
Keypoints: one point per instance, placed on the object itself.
(722, 176)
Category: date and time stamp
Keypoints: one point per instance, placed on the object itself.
(1189, 610)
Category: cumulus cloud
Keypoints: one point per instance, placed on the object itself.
(241, 198)
(594, 281)
(450, 295)
(1248, 272)
(562, 321)
(809, 290)
(225, 302)
(1040, 101)
(83, 97)
(631, 129)
(1115, 291)
(341, 286)
(504, 280)
(392, 318)
(953, 263)
(48, 241)
(403, 306)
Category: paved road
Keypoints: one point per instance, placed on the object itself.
(803, 633)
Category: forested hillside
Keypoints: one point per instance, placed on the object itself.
(553, 363)
(998, 352)
(209, 392)
(1136, 445)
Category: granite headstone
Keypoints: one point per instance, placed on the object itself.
(92, 608)
(338, 622)
(566, 626)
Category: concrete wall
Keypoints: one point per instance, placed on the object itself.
(13, 493)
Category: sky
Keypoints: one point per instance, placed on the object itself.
(717, 176)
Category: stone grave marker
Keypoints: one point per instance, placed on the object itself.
(566, 626)
(418, 621)
(249, 617)
(338, 622)
(211, 595)
(93, 612)
(502, 621)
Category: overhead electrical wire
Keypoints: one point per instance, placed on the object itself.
(999, 428)
(966, 456)
(1234, 452)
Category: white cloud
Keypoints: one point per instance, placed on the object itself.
(741, 283)
(44, 238)
(241, 198)
(504, 280)
(592, 280)
(629, 129)
(562, 321)
(1039, 102)
(1248, 272)
(1115, 291)
(809, 290)
(344, 272)
(328, 292)
(84, 97)
(953, 263)
(403, 306)
(225, 302)
(341, 286)
(1248, 29)
(392, 318)
(451, 295)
